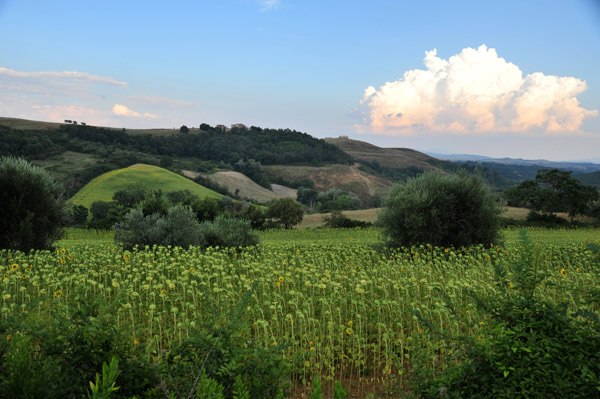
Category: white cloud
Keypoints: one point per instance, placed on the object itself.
(475, 91)
(59, 76)
(269, 4)
(122, 110)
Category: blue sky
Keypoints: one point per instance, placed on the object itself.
(511, 78)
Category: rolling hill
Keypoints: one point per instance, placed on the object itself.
(244, 186)
(388, 157)
(147, 177)
(345, 177)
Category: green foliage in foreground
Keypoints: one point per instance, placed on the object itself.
(31, 208)
(336, 307)
(55, 355)
(457, 210)
(528, 347)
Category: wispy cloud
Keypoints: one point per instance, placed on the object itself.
(267, 5)
(74, 76)
(475, 91)
(96, 100)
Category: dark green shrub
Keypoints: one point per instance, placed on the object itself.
(181, 197)
(31, 208)
(25, 374)
(228, 232)
(285, 212)
(77, 216)
(206, 209)
(105, 214)
(441, 210)
(129, 198)
(338, 220)
(336, 199)
(254, 214)
(155, 203)
(545, 219)
(56, 353)
(178, 227)
(527, 347)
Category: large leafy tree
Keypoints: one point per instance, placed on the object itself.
(32, 209)
(286, 212)
(456, 210)
(552, 191)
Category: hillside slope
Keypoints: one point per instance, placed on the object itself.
(345, 177)
(389, 157)
(244, 186)
(26, 124)
(147, 177)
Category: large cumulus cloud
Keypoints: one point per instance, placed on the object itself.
(475, 91)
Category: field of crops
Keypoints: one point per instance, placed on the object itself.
(342, 308)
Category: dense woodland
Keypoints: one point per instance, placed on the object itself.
(237, 149)
(267, 146)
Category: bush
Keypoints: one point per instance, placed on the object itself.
(31, 208)
(254, 214)
(336, 199)
(457, 210)
(338, 220)
(105, 214)
(178, 227)
(227, 232)
(77, 216)
(545, 219)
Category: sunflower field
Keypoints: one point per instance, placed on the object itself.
(338, 306)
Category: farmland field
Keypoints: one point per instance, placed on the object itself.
(342, 308)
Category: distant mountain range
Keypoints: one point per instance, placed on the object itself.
(587, 166)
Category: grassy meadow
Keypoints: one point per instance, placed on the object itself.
(342, 309)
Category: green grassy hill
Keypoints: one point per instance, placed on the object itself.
(147, 177)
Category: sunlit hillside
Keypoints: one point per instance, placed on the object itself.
(147, 177)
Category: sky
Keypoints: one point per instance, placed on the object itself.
(515, 79)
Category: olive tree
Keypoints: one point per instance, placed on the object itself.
(32, 211)
(443, 210)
